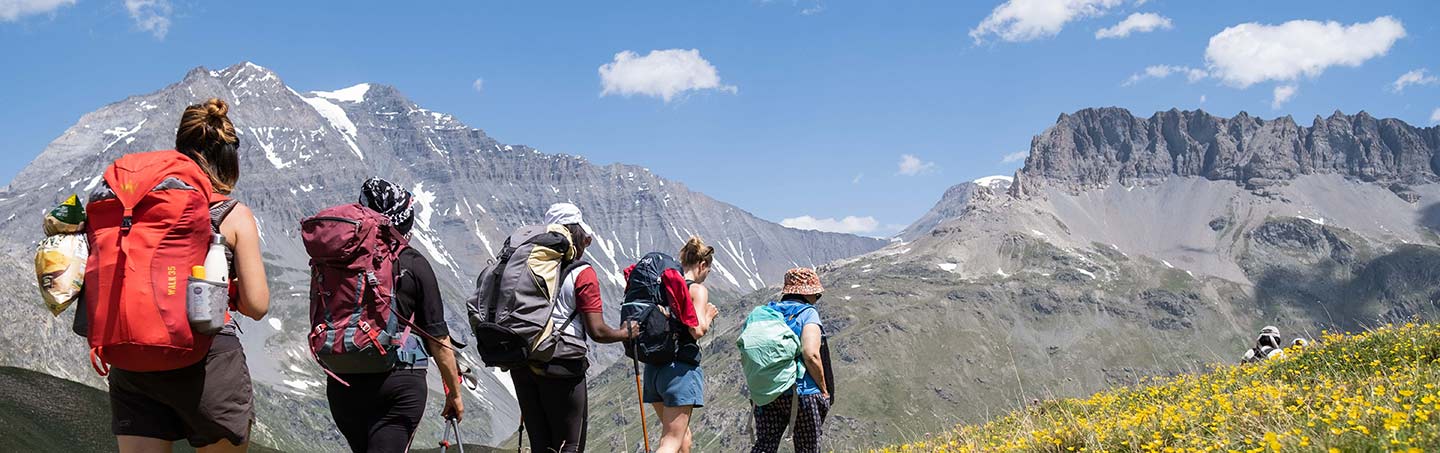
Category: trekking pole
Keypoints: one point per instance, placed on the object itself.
(640, 395)
(451, 425)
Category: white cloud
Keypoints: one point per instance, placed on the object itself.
(12, 10)
(1283, 94)
(1028, 20)
(478, 85)
(813, 10)
(1202, 99)
(1435, 116)
(911, 165)
(857, 178)
(661, 73)
(1136, 23)
(849, 224)
(1015, 157)
(1416, 77)
(150, 15)
(1251, 53)
(1162, 71)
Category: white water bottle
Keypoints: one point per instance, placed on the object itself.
(216, 268)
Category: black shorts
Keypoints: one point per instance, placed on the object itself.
(203, 403)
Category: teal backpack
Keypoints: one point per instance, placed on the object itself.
(769, 354)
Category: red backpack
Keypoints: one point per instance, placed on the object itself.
(353, 256)
(146, 232)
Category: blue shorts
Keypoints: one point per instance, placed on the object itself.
(676, 385)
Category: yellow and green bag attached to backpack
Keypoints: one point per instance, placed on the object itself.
(60, 257)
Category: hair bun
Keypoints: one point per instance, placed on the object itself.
(216, 108)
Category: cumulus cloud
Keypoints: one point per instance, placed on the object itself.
(1250, 53)
(1028, 20)
(911, 165)
(1162, 71)
(1135, 23)
(661, 73)
(13, 10)
(1015, 157)
(478, 85)
(1416, 77)
(1283, 94)
(150, 15)
(849, 224)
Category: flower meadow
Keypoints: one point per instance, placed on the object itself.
(1375, 391)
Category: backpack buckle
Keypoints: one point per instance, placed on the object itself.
(364, 326)
(319, 328)
(370, 278)
(126, 223)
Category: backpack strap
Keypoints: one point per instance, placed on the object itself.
(221, 209)
(574, 266)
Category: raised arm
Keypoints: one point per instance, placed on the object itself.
(240, 230)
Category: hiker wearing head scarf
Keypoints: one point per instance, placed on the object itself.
(389, 199)
(381, 411)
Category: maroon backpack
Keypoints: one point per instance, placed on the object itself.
(354, 254)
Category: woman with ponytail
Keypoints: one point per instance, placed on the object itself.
(209, 404)
(678, 388)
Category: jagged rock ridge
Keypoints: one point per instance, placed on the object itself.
(1101, 145)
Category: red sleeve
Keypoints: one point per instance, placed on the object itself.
(587, 292)
(680, 304)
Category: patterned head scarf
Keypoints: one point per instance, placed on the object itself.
(390, 200)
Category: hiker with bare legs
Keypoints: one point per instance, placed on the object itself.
(377, 400)
(552, 395)
(776, 381)
(676, 387)
(175, 366)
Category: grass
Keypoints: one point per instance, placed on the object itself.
(1375, 391)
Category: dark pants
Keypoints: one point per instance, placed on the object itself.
(555, 411)
(378, 412)
(771, 420)
(204, 403)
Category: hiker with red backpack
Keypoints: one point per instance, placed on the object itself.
(552, 394)
(150, 225)
(373, 300)
(671, 321)
(778, 385)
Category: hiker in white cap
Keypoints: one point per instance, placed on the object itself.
(552, 396)
(1267, 346)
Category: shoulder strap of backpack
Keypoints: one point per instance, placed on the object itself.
(574, 311)
(220, 210)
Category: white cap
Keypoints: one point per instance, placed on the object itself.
(1268, 330)
(566, 214)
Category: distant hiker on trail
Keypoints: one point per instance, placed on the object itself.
(552, 395)
(1267, 346)
(774, 393)
(171, 376)
(377, 401)
(675, 389)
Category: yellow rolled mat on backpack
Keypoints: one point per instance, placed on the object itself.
(60, 257)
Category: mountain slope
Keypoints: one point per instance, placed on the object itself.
(302, 152)
(1370, 392)
(1078, 278)
(43, 413)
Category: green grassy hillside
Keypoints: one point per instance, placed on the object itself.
(1376, 391)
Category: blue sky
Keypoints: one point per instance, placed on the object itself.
(817, 100)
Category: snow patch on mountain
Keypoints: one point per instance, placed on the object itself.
(338, 120)
(352, 94)
(995, 182)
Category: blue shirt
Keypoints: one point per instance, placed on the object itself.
(805, 384)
